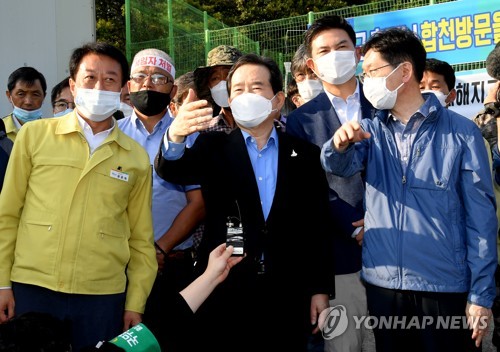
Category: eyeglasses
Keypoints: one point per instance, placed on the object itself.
(61, 105)
(364, 74)
(299, 77)
(156, 78)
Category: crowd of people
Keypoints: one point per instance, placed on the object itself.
(370, 195)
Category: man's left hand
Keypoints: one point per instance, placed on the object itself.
(319, 303)
(131, 319)
(478, 319)
(361, 233)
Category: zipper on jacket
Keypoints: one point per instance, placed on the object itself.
(397, 157)
(404, 181)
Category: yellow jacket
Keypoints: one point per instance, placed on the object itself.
(77, 223)
(10, 128)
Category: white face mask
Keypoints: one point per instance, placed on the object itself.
(336, 67)
(309, 88)
(250, 110)
(62, 113)
(97, 105)
(439, 95)
(27, 115)
(126, 109)
(377, 93)
(220, 95)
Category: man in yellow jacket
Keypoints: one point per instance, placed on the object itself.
(76, 236)
(26, 90)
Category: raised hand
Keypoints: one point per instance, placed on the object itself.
(349, 132)
(193, 116)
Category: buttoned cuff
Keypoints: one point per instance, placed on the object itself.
(171, 150)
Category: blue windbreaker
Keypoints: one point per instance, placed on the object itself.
(433, 226)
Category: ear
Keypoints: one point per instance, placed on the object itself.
(173, 108)
(357, 54)
(407, 71)
(310, 63)
(451, 97)
(296, 100)
(173, 92)
(7, 94)
(280, 99)
(72, 87)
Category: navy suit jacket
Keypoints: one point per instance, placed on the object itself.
(316, 122)
(294, 238)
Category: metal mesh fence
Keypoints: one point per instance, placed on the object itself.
(170, 25)
(187, 34)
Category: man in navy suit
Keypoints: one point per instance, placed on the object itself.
(333, 56)
(271, 186)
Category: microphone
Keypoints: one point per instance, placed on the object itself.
(493, 62)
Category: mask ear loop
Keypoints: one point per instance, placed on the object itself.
(12, 102)
(271, 100)
(391, 74)
(447, 96)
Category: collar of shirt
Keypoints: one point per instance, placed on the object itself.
(250, 141)
(94, 140)
(165, 120)
(349, 110)
(16, 121)
(404, 135)
(421, 114)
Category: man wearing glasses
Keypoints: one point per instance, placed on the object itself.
(62, 99)
(429, 249)
(177, 209)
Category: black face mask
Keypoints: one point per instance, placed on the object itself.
(150, 102)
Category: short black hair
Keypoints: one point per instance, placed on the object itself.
(58, 89)
(98, 48)
(325, 23)
(27, 75)
(442, 68)
(397, 45)
(292, 89)
(183, 83)
(275, 77)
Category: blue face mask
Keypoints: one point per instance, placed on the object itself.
(64, 112)
(27, 115)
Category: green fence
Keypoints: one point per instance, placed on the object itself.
(187, 33)
(170, 25)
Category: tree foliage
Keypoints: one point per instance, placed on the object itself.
(242, 12)
(110, 22)
(149, 15)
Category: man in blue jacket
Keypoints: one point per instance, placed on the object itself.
(429, 249)
(332, 55)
